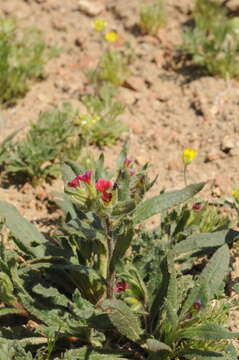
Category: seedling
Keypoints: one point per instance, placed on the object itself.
(152, 17)
(23, 54)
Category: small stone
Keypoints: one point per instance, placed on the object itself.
(227, 144)
(135, 83)
(212, 156)
(91, 8)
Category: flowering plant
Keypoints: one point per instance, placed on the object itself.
(107, 284)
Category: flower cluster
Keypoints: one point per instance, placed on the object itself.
(85, 177)
(101, 185)
(100, 25)
(188, 155)
(86, 121)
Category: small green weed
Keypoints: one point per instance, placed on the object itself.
(48, 140)
(213, 42)
(101, 125)
(23, 54)
(60, 134)
(113, 67)
(152, 17)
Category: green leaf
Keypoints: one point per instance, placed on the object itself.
(206, 240)
(121, 316)
(27, 237)
(209, 331)
(123, 241)
(215, 271)
(155, 345)
(165, 201)
(201, 355)
(90, 354)
(9, 311)
(160, 293)
(210, 279)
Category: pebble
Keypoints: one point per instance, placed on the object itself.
(90, 8)
(227, 144)
(135, 83)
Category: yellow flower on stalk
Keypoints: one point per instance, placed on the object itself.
(188, 155)
(111, 36)
(99, 25)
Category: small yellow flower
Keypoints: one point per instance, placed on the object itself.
(111, 36)
(188, 155)
(99, 25)
(235, 193)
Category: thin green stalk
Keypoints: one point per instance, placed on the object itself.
(185, 174)
(110, 279)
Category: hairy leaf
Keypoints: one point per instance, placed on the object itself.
(122, 317)
(206, 240)
(165, 201)
(28, 238)
(209, 331)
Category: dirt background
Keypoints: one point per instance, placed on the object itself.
(167, 108)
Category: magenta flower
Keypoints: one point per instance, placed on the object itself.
(75, 182)
(197, 206)
(121, 286)
(86, 176)
(103, 185)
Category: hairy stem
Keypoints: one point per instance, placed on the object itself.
(110, 279)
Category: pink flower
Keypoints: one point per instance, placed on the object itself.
(86, 176)
(106, 197)
(197, 206)
(121, 286)
(103, 185)
(75, 182)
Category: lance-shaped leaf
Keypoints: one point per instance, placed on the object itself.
(123, 241)
(209, 331)
(165, 201)
(122, 317)
(206, 240)
(27, 237)
(210, 279)
(91, 354)
(160, 293)
(202, 355)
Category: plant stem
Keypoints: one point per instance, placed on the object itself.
(185, 174)
(110, 278)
